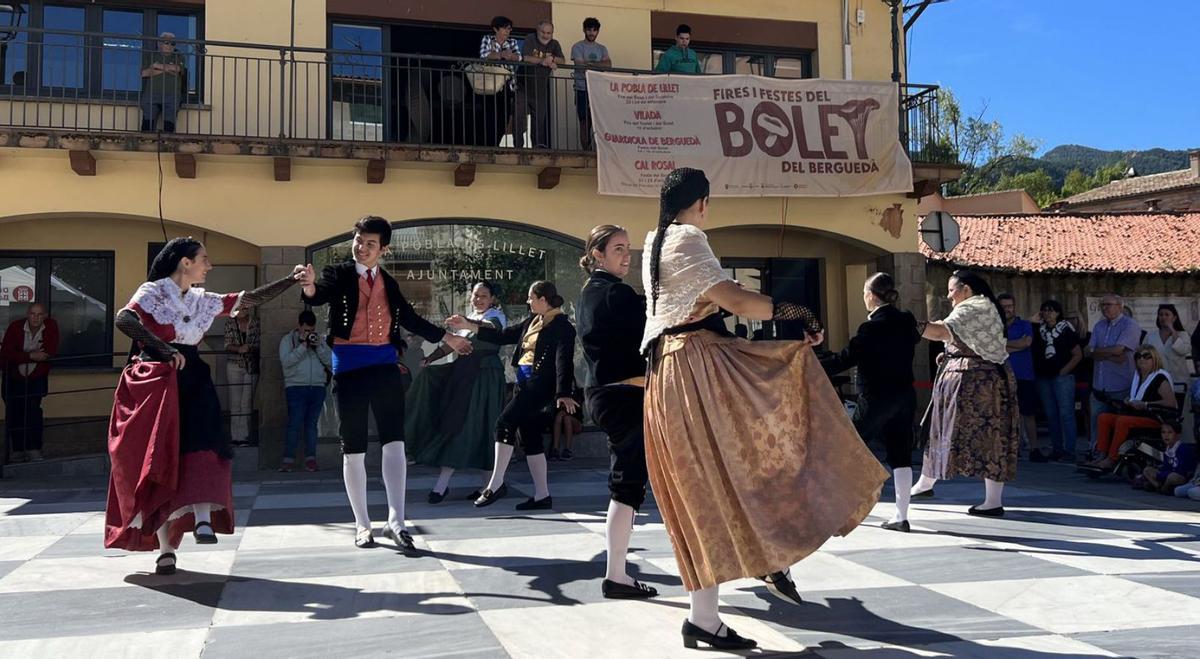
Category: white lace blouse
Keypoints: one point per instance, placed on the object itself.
(687, 269)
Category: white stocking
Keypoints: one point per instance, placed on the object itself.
(354, 473)
(443, 481)
(202, 512)
(704, 609)
(395, 480)
(537, 469)
(924, 483)
(164, 539)
(993, 494)
(503, 455)
(618, 529)
(902, 480)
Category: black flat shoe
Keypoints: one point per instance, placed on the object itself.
(615, 590)
(403, 539)
(545, 503)
(730, 641)
(474, 495)
(901, 526)
(998, 511)
(436, 497)
(165, 564)
(207, 538)
(780, 585)
(923, 494)
(488, 497)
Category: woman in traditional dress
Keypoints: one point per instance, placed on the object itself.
(972, 419)
(753, 461)
(453, 407)
(171, 468)
(544, 360)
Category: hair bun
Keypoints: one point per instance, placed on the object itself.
(892, 296)
(557, 301)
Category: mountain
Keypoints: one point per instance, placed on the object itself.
(1060, 160)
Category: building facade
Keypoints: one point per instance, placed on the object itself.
(291, 126)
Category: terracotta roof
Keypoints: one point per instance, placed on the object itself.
(1077, 242)
(1137, 185)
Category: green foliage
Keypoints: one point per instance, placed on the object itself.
(1037, 184)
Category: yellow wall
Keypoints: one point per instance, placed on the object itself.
(238, 196)
(127, 238)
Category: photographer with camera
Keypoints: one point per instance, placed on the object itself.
(307, 363)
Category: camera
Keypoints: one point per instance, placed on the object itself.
(311, 338)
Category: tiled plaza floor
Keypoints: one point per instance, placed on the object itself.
(1076, 569)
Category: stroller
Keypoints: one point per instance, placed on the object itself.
(1143, 448)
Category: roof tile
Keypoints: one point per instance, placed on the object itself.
(1155, 243)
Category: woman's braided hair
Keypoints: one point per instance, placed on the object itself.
(681, 189)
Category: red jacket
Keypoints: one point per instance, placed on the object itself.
(12, 349)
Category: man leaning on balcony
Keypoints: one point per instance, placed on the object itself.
(679, 58)
(162, 84)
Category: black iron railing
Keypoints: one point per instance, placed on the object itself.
(108, 83)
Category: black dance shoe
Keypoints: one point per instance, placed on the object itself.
(615, 590)
(436, 497)
(165, 564)
(545, 503)
(402, 539)
(474, 495)
(998, 511)
(730, 641)
(488, 497)
(780, 585)
(901, 526)
(923, 494)
(207, 537)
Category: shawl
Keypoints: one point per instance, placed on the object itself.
(976, 322)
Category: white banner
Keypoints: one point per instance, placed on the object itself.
(752, 136)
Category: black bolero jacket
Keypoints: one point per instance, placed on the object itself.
(338, 287)
(553, 356)
(882, 350)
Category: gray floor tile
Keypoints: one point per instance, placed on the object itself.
(908, 615)
(1012, 528)
(493, 523)
(49, 524)
(9, 566)
(553, 584)
(92, 544)
(958, 564)
(1157, 643)
(310, 562)
(326, 601)
(458, 636)
(1186, 583)
(159, 605)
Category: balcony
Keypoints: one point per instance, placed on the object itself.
(86, 91)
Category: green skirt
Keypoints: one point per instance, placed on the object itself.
(451, 412)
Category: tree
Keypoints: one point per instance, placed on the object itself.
(1036, 184)
(981, 144)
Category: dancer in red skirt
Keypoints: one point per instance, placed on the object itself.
(171, 468)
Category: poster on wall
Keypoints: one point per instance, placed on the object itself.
(753, 136)
(1145, 310)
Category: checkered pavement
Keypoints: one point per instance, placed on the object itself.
(1076, 569)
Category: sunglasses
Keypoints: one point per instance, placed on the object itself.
(168, 43)
(1144, 355)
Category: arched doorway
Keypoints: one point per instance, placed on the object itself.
(437, 261)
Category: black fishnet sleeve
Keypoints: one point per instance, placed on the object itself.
(131, 326)
(441, 351)
(266, 292)
(793, 311)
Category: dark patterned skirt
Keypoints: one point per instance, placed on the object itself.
(973, 422)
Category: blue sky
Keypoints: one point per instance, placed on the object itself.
(1111, 74)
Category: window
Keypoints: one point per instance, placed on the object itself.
(14, 48)
(76, 287)
(106, 64)
(357, 85)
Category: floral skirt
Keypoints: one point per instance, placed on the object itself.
(973, 422)
(753, 461)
